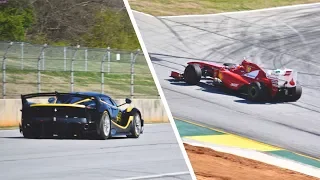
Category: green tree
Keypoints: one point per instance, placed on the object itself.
(16, 16)
(114, 29)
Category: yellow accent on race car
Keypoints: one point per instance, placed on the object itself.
(119, 116)
(58, 105)
(129, 109)
(81, 101)
(124, 127)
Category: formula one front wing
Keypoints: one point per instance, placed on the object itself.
(176, 75)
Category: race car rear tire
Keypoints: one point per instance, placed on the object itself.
(104, 127)
(296, 94)
(30, 133)
(27, 134)
(135, 128)
(192, 74)
(256, 91)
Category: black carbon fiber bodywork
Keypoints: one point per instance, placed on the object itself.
(74, 119)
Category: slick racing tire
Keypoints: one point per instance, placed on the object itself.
(296, 94)
(27, 134)
(192, 74)
(256, 92)
(229, 64)
(135, 128)
(104, 128)
(30, 134)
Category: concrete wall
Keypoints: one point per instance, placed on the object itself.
(152, 110)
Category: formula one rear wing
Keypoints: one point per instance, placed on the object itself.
(283, 77)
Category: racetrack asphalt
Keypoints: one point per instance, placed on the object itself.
(287, 37)
(155, 155)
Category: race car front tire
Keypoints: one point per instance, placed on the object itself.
(135, 128)
(192, 74)
(256, 91)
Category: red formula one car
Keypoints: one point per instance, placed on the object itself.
(247, 78)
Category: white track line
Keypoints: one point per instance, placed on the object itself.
(142, 13)
(157, 176)
(157, 82)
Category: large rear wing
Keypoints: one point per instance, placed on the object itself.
(55, 94)
(283, 77)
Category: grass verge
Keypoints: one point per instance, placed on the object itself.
(183, 7)
(116, 85)
(8, 127)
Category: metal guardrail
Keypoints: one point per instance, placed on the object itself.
(25, 57)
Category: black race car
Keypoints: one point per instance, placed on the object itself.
(81, 114)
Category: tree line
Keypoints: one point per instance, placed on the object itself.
(90, 23)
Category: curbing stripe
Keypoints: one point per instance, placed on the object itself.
(296, 157)
(234, 141)
(187, 129)
(229, 139)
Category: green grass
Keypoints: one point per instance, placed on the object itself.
(116, 81)
(116, 85)
(182, 7)
(8, 127)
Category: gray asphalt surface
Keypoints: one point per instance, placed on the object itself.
(154, 154)
(274, 39)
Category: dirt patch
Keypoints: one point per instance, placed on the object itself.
(214, 165)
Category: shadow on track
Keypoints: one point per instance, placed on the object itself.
(223, 91)
(64, 138)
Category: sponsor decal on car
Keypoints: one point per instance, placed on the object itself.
(234, 85)
(288, 73)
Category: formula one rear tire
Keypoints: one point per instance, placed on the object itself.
(192, 74)
(256, 91)
(296, 95)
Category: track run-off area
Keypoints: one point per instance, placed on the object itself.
(154, 155)
(275, 38)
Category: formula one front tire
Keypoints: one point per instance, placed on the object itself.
(256, 91)
(192, 74)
